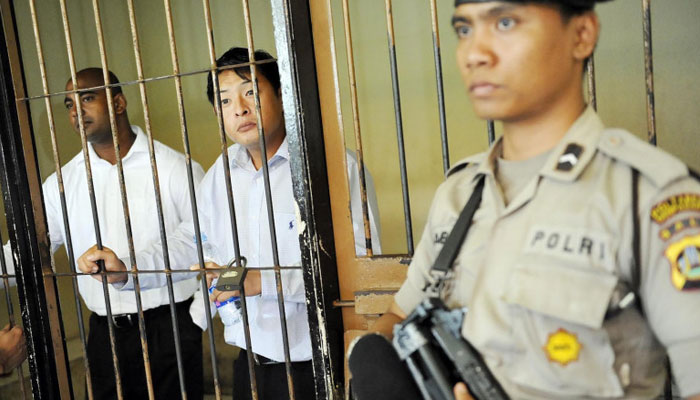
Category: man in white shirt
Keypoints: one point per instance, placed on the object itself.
(145, 228)
(245, 166)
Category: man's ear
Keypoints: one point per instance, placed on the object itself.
(119, 101)
(587, 28)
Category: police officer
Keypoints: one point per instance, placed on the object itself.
(581, 268)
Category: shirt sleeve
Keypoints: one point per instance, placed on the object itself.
(412, 292)
(358, 224)
(670, 277)
(182, 250)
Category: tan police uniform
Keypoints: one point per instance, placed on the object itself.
(540, 273)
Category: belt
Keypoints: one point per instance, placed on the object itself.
(259, 360)
(262, 360)
(123, 321)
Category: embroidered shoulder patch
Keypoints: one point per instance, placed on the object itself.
(562, 347)
(683, 255)
(675, 204)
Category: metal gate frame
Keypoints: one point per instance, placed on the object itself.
(21, 187)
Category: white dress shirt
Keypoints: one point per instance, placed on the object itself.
(255, 245)
(174, 192)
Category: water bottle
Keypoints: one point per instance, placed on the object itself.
(208, 250)
(229, 310)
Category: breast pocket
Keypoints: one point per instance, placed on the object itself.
(557, 313)
(287, 238)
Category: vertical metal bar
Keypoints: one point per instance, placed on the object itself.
(156, 186)
(268, 200)
(10, 310)
(91, 192)
(440, 91)
(229, 195)
(299, 84)
(491, 131)
(649, 71)
(62, 196)
(590, 80)
(356, 124)
(18, 168)
(399, 126)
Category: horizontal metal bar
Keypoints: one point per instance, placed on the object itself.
(145, 80)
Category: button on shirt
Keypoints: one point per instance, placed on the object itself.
(539, 273)
(142, 209)
(255, 245)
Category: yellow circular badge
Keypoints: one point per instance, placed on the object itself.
(562, 347)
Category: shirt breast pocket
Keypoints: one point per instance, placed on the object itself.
(287, 238)
(557, 315)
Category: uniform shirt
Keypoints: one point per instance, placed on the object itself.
(255, 245)
(142, 211)
(538, 275)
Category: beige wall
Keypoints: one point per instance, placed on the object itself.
(620, 86)
(619, 62)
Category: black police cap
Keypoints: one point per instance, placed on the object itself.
(570, 3)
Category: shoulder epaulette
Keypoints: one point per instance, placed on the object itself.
(694, 174)
(653, 163)
(475, 159)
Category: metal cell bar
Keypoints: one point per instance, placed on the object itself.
(20, 181)
(175, 271)
(229, 189)
(590, 81)
(190, 180)
(649, 71)
(62, 196)
(144, 80)
(399, 126)
(268, 200)
(356, 125)
(305, 134)
(491, 131)
(91, 192)
(439, 83)
(163, 236)
(10, 310)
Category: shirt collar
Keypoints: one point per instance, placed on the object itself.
(241, 159)
(582, 137)
(140, 145)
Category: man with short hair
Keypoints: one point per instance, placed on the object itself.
(144, 221)
(580, 270)
(245, 166)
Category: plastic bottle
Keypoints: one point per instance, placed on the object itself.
(229, 310)
(208, 250)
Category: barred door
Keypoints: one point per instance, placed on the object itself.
(163, 52)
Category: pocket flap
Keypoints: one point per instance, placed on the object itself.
(573, 294)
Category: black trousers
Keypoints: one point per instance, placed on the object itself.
(271, 380)
(161, 350)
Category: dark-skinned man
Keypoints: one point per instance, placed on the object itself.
(136, 163)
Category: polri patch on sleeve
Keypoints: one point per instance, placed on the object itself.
(675, 204)
(683, 255)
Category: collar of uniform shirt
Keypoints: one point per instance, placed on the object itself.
(585, 132)
(240, 158)
(140, 146)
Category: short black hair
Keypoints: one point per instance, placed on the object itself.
(239, 55)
